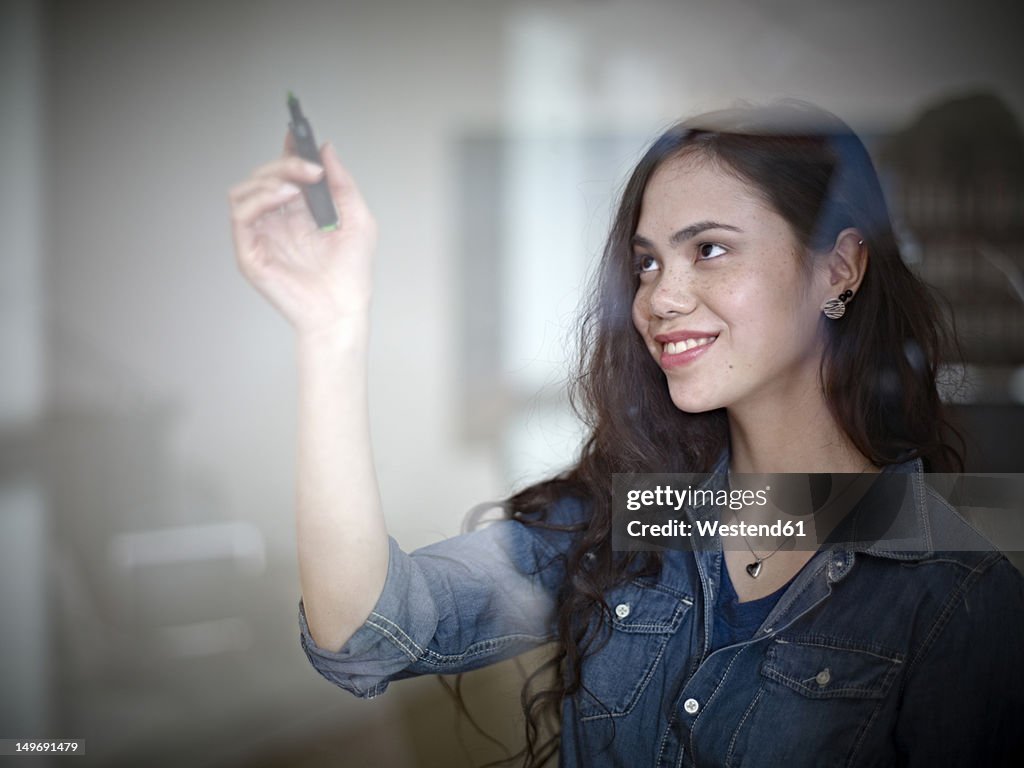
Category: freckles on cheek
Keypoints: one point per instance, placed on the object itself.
(751, 294)
(639, 316)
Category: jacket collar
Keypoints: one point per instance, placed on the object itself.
(891, 520)
(907, 532)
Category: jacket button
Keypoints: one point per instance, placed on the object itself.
(691, 706)
(823, 677)
(622, 610)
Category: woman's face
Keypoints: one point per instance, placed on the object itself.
(724, 305)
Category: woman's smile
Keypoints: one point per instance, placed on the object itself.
(681, 347)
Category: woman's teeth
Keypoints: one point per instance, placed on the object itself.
(675, 347)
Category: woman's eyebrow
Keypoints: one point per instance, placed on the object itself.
(686, 233)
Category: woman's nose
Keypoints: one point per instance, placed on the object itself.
(673, 295)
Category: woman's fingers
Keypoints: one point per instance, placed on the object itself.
(295, 170)
(253, 199)
(254, 188)
(274, 185)
(291, 168)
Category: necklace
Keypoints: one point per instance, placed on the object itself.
(754, 569)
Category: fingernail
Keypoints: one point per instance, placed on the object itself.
(314, 169)
(287, 189)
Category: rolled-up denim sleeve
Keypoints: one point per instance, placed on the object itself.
(451, 607)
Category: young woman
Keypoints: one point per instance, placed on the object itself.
(752, 315)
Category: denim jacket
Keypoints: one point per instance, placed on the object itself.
(876, 654)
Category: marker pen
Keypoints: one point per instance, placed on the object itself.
(318, 196)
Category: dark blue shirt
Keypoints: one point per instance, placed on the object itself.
(907, 651)
(736, 622)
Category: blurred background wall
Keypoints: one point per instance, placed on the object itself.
(148, 584)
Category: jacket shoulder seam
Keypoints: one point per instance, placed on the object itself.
(949, 608)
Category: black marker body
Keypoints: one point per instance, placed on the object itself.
(318, 196)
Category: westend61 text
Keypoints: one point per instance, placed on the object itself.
(713, 528)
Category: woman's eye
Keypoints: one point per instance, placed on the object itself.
(710, 251)
(646, 263)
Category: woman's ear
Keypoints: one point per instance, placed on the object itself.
(847, 262)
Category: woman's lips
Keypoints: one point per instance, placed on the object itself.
(683, 351)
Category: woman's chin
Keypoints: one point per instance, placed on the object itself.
(691, 402)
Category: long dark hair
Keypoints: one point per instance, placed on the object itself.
(878, 370)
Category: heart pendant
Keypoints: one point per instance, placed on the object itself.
(754, 569)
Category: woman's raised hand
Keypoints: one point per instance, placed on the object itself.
(319, 280)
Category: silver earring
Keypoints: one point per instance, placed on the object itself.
(836, 308)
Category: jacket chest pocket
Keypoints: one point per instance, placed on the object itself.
(817, 695)
(643, 619)
(822, 668)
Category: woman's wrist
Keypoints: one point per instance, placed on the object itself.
(350, 336)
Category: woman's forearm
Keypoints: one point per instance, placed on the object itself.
(320, 280)
(341, 535)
